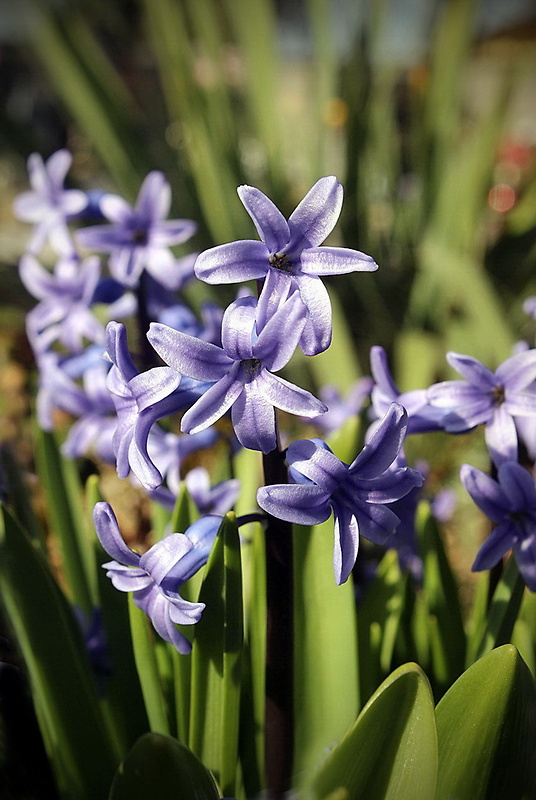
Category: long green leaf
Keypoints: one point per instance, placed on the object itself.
(486, 726)
(326, 694)
(160, 768)
(391, 751)
(216, 658)
(63, 686)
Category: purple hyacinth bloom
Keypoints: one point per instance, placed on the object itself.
(489, 398)
(289, 257)
(356, 493)
(140, 236)
(63, 313)
(342, 408)
(242, 371)
(422, 417)
(155, 577)
(140, 400)
(48, 204)
(209, 499)
(510, 502)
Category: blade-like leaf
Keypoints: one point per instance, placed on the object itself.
(216, 657)
(391, 751)
(63, 686)
(160, 768)
(486, 725)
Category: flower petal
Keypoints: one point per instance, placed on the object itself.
(187, 354)
(346, 542)
(384, 445)
(500, 434)
(316, 335)
(473, 371)
(519, 486)
(518, 371)
(238, 327)
(489, 496)
(213, 403)
(316, 215)
(110, 537)
(499, 542)
(253, 419)
(335, 261)
(304, 504)
(271, 225)
(234, 262)
(284, 395)
(317, 464)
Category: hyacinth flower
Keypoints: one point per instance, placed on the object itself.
(241, 371)
(155, 577)
(289, 257)
(509, 502)
(48, 205)
(342, 408)
(140, 400)
(139, 237)
(422, 417)
(489, 398)
(356, 493)
(218, 499)
(66, 294)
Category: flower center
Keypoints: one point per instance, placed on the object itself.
(498, 395)
(139, 236)
(251, 367)
(281, 262)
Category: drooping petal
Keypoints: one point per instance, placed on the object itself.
(253, 419)
(279, 338)
(110, 537)
(499, 542)
(127, 579)
(284, 395)
(384, 445)
(304, 504)
(153, 386)
(213, 403)
(164, 556)
(315, 216)
(473, 370)
(234, 262)
(501, 436)
(376, 522)
(270, 223)
(187, 354)
(489, 496)
(389, 487)
(346, 542)
(518, 485)
(316, 336)
(335, 261)
(117, 349)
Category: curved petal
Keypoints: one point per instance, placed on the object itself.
(154, 198)
(384, 445)
(518, 372)
(164, 556)
(489, 496)
(389, 487)
(276, 288)
(110, 537)
(270, 223)
(521, 404)
(316, 215)
(213, 403)
(498, 543)
(451, 394)
(346, 542)
(284, 395)
(38, 281)
(117, 349)
(304, 504)
(317, 464)
(113, 208)
(519, 486)
(379, 366)
(316, 335)
(188, 355)
(172, 231)
(279, 338)
(234, 262)
(253, 419)
(154, 385)
(473, 371)
(57, 167)
(376, 522)
(127, 579)
(237, 329)
(335, 261)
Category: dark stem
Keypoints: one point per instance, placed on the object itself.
(147, 356)
(279, 641)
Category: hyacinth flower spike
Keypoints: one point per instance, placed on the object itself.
(509, 502)
(289, 257)
(139, 237)
(356, 493)
(489, 398)
(47, 205)
(242, 371)
(155, 577)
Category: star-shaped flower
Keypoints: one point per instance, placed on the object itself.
(356, 492)
(289, 257)
(48, 204)
(242, 371)
(140, 236)
(489, 398)
(510, 502)
(155, 577)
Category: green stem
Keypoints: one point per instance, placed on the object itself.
(503, 610)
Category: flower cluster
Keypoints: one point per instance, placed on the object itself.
(227, 362)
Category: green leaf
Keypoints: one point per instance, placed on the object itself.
(391, 751)
(325, 649)
(486, 725)
(160, 768)
(216, 659)
(62, 682)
